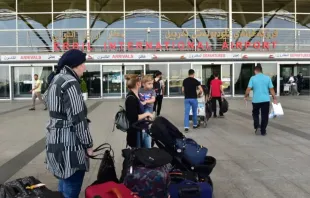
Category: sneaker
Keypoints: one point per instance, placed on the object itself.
(32, 109)
(186, 130)
(256, 131)
(45, 108)
(196, 127)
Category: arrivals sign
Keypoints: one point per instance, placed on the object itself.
(29, 57)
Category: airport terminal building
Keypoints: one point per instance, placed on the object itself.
(139, 36)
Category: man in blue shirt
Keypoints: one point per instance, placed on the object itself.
(261, 85)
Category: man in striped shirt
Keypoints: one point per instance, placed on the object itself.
(68, 139)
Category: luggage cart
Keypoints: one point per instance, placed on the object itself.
(201, 111)
(287, 89)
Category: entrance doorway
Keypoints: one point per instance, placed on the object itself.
(208, 71)
(305, 70)
(133, 69)
(23, 81)
(285, 73)
(112, 77)
(243, 74)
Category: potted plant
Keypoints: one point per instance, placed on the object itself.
(84, 89)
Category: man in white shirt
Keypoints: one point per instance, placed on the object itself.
(36, 92)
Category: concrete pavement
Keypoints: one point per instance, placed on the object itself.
(247, 165)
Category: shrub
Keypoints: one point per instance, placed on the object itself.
(84, 86)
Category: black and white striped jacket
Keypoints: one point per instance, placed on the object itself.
(68, 134)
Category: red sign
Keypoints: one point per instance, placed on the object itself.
(167, 45)
(30, 57)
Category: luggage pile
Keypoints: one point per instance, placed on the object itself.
(28, 187)
(178, 168)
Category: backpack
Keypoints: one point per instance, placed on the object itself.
(50, 77)
(157, 87)
(120, 121)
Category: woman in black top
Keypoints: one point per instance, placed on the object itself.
(134, 108)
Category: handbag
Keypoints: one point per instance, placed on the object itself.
(193, 152)
(120, 121)
(146, 171)
(106, 170)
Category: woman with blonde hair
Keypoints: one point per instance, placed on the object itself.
(134, 109)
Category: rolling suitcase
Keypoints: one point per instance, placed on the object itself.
(109, 190)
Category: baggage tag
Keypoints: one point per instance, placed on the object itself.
(34, 186)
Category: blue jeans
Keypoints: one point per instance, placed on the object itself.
(71, 187)
(188, 103)
(146, 138)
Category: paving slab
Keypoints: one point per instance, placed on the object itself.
(247, 165)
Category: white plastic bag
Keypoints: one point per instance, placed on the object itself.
(277, 110)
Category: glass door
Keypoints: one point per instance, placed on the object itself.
(243, 73)
(23, 79)
(226, 77)
(22, 82)
(112, 77)
(133, 69)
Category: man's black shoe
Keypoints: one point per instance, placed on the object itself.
(264, 134)
(45, 108)
(196, 127)
(214, 116)
(186, 130)
(32, 109)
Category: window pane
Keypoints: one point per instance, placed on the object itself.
(147, 38)
(178, 39)
(273, 20)
(203, 5)
(106, 20)
(142, 20)
(43, 73)
(212, 20)
(178, 72)
(106, 5)
(4, 82)
(8, 5)
(69, 6)
(178, 20)
(279, 5)
(107, 40)
(35, 41)
(134, 5)
(69, 20)
(247, 6)
(247, 20)
(177, 5)
(92, 79)
(163, 68)
(34, 5)
(34, 21)
(8, 21)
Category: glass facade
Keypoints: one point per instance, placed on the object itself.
(158, 25)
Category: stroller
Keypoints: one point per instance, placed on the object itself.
(165, 134)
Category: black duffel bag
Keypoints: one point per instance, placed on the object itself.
(224, 106)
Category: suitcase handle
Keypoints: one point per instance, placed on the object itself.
(139, 122)
(101, 147)
(116, 192)
(187, 192)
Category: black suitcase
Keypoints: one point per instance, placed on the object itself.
(19, 188)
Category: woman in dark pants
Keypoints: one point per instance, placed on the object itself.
(134, 109)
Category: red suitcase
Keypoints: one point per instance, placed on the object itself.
(109, 190)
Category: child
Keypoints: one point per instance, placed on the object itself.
(147, 97)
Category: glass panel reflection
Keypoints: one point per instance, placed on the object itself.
(163, 68)
(243, 73)
(227, 79)
(177, 73)
(92, 79)
(112, 81)
(133, 69)
(22, 81)
(43, 73)
(4, 81)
